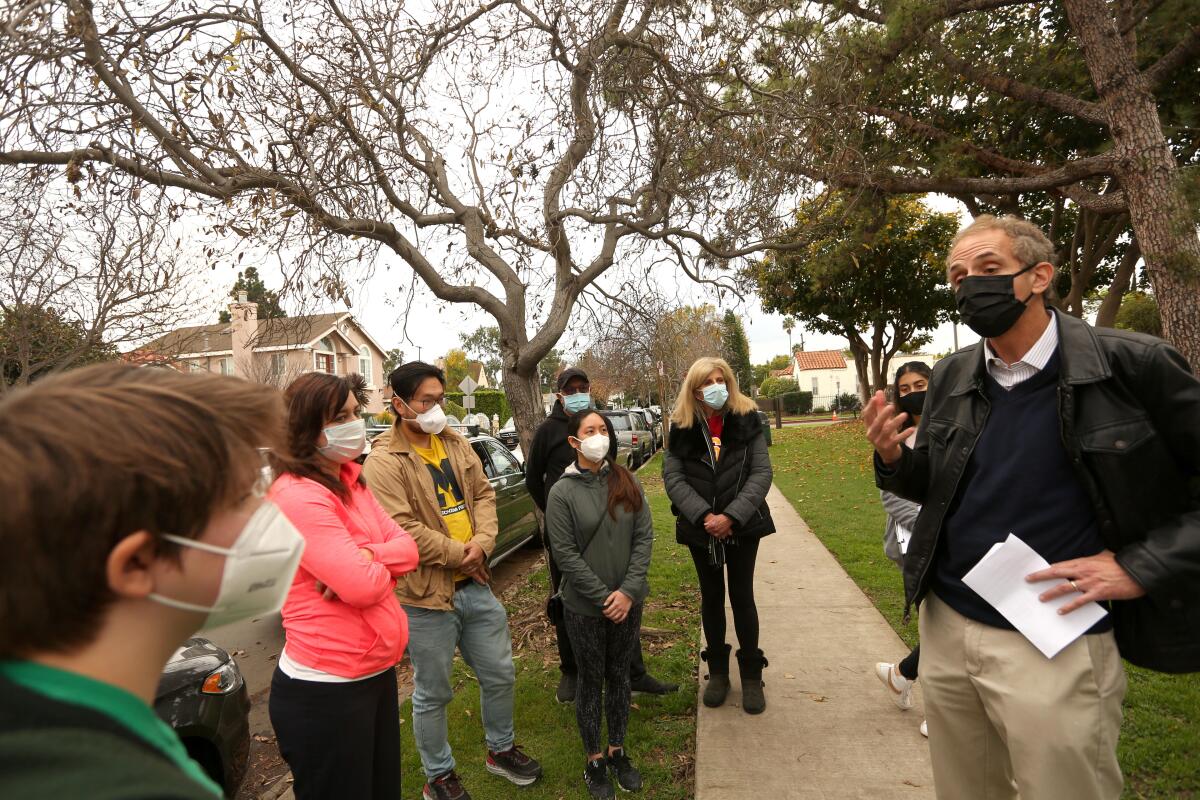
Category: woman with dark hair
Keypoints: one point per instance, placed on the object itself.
(717, 473)
(601, 533)
(908, 395)
(333, 696)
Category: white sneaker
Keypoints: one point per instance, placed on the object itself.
(925, 728)
(898, 686)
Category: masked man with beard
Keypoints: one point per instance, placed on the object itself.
(1084, 443)
(427, 477)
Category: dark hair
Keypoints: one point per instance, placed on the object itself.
(407, 377)
(162, 452)
(919, 367)
(312, 400)
(623, 489)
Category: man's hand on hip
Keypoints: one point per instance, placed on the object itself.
(1097, 577)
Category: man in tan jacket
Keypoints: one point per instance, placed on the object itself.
(432, 483)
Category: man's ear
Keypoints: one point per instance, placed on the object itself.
(129, 564)
(1043, 277)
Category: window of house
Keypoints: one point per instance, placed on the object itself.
(364, 364)
(323, 357)
(814, 386)
(195, 366)
(227, 365)
(278, 364)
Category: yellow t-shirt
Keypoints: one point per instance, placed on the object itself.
(450, 495)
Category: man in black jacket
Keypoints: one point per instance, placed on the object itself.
(1085, 444)
(549, 455)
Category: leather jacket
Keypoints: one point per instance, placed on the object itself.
(1129, 409)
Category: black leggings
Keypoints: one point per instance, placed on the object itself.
(908, 667)
(340, 739)
(603, 650)
(739, 563)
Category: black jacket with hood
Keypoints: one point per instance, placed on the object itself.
(550, 454)
(736, 486)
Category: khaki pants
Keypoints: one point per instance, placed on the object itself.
(1006, 722)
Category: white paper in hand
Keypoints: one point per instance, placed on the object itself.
(999, 578)
(903, 535)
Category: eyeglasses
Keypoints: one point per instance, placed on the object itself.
(567, 391)
(421, 406)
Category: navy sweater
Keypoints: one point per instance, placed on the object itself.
(1019, 480)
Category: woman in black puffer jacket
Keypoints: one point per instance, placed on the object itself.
(717, 473)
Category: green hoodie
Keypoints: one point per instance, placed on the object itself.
(617, 556)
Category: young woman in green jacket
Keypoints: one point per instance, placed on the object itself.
(601, 534)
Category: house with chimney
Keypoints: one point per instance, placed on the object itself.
(274, 351)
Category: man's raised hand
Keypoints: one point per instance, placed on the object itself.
(883, 428)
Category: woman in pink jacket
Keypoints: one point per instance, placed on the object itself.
(333, 696)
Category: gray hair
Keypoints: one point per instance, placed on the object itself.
(1029, 244)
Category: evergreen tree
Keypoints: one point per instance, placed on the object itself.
(736, 350)
(256, 291)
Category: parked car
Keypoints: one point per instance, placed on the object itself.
(653, 425)
(514, 506)
(508, 435)
(203, 697)
(630, 439)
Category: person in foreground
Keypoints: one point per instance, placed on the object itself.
(909, 389)
(1085, 444)
(717, 473)
(602, 533)
(119, 543)
(333, 702)
(427, 477)
(549, 455)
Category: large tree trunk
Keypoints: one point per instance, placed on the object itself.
(862, 364)
(1106, 317)
(524, 393)
(1148, 174)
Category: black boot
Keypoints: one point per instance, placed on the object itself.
(750, 665)
(718, 674)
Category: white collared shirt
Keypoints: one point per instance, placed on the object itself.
(1029, 364)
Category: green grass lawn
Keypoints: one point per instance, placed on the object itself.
(826, 473)
(661, 738)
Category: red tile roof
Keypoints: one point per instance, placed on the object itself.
(781, 373)
(820, 359)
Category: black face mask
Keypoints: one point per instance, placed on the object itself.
(988, 303)
(911, 403)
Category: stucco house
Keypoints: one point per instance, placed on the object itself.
(275, 351)
(829, 373)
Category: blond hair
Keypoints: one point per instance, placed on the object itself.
(688, 408)
(1029, 244)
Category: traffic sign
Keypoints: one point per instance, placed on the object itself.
(468, 400)
(468, 386)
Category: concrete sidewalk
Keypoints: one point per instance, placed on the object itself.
(829, 730)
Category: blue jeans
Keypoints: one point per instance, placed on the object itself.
(478, 627)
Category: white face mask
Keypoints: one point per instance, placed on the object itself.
(345, 442)
(595, 447)
(433, 420)
(258, 568)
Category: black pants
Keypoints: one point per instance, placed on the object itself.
(340, 739)
(603, 649)
(739, 563)
(566, 654)
(908, 667)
